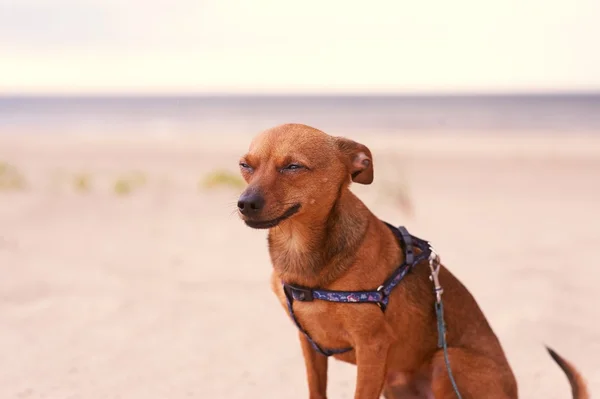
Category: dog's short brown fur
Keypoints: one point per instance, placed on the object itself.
(321, 235)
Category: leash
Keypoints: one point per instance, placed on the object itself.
(434, 266)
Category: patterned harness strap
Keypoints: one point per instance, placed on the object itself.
(379, 296)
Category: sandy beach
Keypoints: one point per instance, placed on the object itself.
(124, 277)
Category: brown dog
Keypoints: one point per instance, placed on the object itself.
(322, 236)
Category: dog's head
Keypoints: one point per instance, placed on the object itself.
(294, 170)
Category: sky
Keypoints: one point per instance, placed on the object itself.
(281, 46)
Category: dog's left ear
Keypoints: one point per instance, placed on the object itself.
(358, 159)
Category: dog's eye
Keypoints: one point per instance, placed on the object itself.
(244, 165)
(293, 166)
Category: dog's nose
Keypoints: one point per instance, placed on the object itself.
(250, 203)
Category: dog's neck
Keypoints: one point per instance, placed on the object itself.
(314, 253)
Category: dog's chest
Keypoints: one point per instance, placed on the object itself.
(323, 321)
(330, 325)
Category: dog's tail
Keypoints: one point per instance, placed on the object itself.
(578, 386)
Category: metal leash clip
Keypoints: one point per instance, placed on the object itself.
(434, 266)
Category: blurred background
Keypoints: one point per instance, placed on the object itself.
(126, 271)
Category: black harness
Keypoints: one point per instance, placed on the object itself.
(379, 296)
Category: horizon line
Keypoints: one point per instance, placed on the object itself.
(208, 94)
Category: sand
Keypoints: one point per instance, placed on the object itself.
(163, 292)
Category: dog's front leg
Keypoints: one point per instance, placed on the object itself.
(371, 362)
(316, 370)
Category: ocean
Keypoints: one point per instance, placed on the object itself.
(165, 115)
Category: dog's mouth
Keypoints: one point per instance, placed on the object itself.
(267, 224)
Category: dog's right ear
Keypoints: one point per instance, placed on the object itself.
(358, 159)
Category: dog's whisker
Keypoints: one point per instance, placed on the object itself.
(233, 212)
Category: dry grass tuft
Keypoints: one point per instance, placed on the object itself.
(222, 178)
(11, 179)
(127, 184)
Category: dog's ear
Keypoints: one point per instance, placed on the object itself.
(358, 158)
